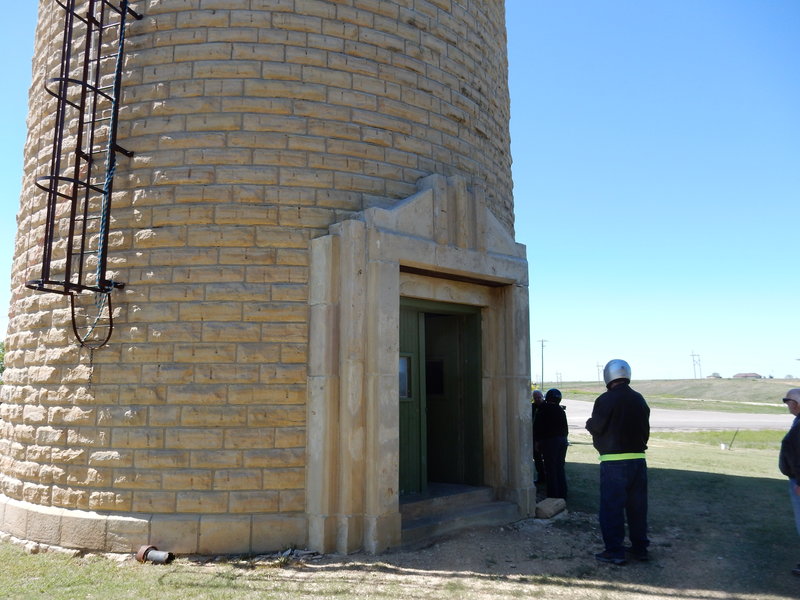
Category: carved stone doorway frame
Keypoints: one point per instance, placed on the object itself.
(441, 244)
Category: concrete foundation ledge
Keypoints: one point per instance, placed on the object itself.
(46, 528)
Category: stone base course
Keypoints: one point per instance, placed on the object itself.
(44, 528)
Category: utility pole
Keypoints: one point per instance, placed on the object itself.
(696, 364)
(542, 343)
(599, 366)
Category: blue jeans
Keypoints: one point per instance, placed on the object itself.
(623, 494)
(795, 503)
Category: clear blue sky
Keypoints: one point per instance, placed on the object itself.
(656, 152)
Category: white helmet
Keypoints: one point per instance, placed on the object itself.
(616, 369)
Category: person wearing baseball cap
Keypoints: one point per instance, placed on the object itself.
(789, 458)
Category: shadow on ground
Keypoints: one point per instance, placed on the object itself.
(713, 536)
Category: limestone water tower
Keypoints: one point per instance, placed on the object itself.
(265, 286)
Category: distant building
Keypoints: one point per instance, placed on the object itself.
(747, 376)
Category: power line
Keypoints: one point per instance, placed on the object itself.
(696, 364)
(542, 343)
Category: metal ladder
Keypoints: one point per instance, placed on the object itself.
(79, 182)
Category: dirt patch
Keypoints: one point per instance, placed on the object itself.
(561, 546)
(530, 558)
(534, 558)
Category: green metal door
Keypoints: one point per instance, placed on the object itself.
(413, 477)
(440, 395)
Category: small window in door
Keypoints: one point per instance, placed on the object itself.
(405, 376)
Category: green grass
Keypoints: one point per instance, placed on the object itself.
(57, 576)
(738, 391)
(726, 406)
(733, 440)
(721, 395)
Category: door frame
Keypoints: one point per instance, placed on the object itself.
(441, 244)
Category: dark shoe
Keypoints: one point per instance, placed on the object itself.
(640, 555)
(796, 570)
(606, 557)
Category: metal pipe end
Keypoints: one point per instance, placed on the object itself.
(154, 555)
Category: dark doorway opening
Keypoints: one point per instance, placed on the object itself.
(441, 438)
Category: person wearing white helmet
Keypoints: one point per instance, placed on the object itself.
(620, 428)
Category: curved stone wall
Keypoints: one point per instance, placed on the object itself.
(255, 125)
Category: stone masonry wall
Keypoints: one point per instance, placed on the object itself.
(255, 124)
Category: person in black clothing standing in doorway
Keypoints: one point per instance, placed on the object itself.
(538, 463)
(550, 432)
(620, 428)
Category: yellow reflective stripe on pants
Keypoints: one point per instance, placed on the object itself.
(628, 456)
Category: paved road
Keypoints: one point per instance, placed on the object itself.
(662, 419)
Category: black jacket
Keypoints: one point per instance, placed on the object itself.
(620, 421)
(550, 421)
(789, 459)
